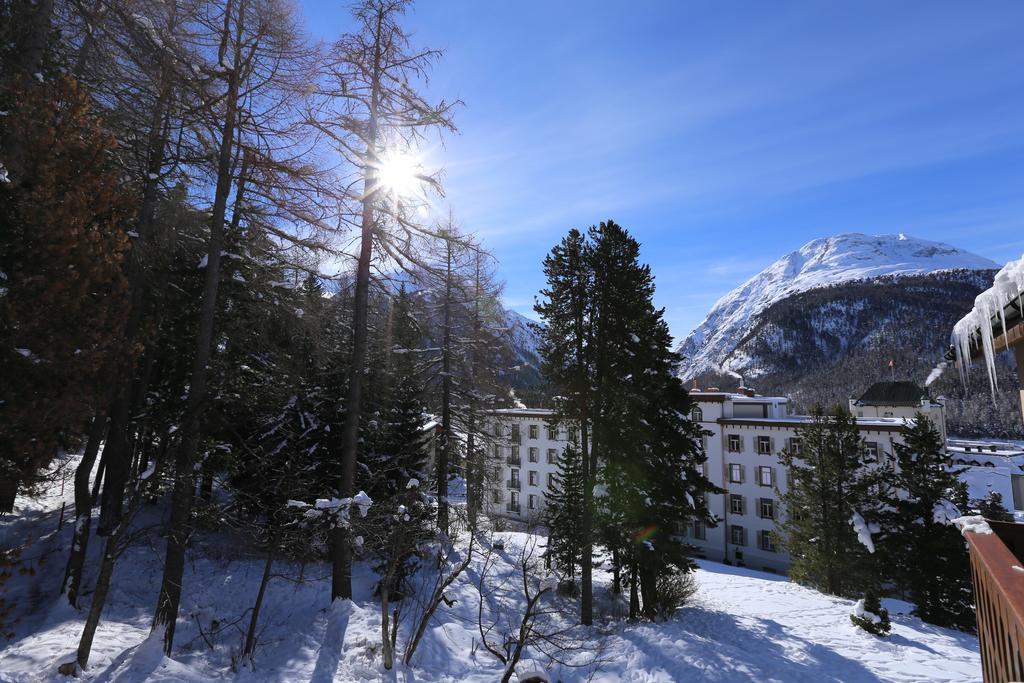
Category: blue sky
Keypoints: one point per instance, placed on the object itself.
(724, 135)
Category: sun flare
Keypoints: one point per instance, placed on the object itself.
(400, 174)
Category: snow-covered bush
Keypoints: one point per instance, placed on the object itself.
(869, 614)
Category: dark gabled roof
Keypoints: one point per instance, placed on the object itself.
(892, 394)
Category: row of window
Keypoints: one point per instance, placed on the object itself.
(532, 500)
(765, 474)
(533, 432)
(738, 536)
(738, 506)
(765, 538)
(532, 478)
(532, 453)
(765, 445)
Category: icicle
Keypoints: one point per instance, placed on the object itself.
(1006, 286)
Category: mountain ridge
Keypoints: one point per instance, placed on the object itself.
(823, 262)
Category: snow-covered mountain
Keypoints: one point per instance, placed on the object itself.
(820, 263)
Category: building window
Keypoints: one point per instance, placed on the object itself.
(533, 477)
(697, 415)
(765, 476)
(497, 451)
(552, 456)
(570, 434)
(764, 445)
(513, 502)
(551, 481)
(534, 431)
(532, 502)
(534, 454)
(765, 540)
(794, 446)
(495, 496)
(497, 429)
(736, 504)
(513, 482)
(735, 443)
(871, 449)
(552, 433)
(699, 531)
(767, 508)
(516, 436)
(736, 474)
(737, 534)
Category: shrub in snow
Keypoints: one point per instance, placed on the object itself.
(869, 614)
(675, 589)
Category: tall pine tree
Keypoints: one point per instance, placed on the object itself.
(928, 554)
(832, 479)
(565, 363)
(564, 514)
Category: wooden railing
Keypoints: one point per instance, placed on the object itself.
(997, 571)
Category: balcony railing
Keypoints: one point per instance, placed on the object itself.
(999, 600)
(514, 460)
(512, 507)
(514, 484)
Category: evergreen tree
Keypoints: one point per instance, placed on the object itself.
(927, 553)
(394, 437)
(565, 363)
(960, 496)
(871, 616)
(607, 351)
(647, 447)
(563, 513)
(991, 507)
(834, 484)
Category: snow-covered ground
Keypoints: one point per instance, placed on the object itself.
(742, 625)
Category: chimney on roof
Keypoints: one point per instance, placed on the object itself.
(748, 392)
(713, 389)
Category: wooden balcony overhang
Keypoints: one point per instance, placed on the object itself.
(997, 571)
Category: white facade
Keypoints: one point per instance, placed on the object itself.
(747, 434)
(524, 452)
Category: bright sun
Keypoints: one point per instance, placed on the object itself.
(399, 174)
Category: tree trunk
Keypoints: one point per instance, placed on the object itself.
(181, 501)
(98, 481)
(386, 641)
(116, 463)
(8, 494)
(250, 635)
(472, 492)
(83, 511)
(648, 584)
(341, 542)
(587, 532)
(616, 573)
(634, 599)
(444, 451)
(99, 597)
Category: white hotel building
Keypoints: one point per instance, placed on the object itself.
(747, 432)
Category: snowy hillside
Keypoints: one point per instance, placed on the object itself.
(742, 626)
(820, 263)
